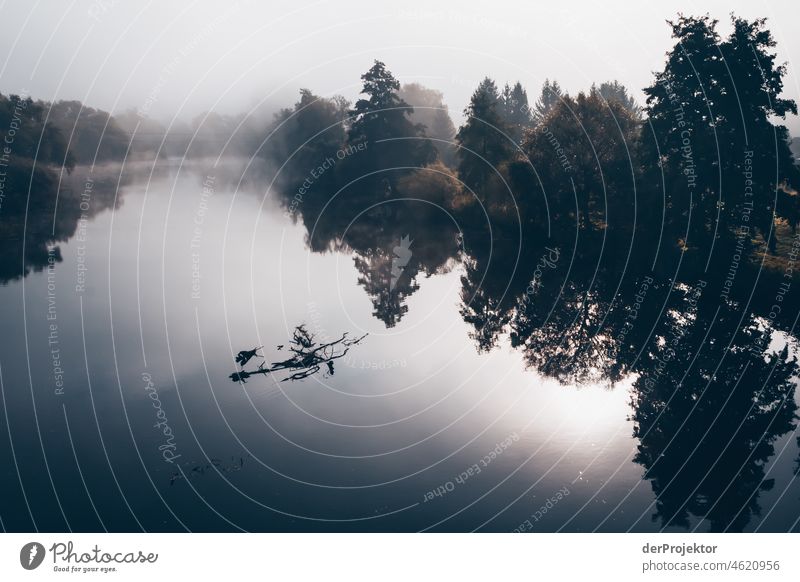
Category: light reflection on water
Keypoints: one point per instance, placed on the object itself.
(408, 411)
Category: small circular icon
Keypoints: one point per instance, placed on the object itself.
(31, 555)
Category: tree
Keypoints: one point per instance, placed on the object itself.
(616, 91)
(149, 133)
(710, 111)
(551, 94)
(748, 111)
(94, 135)
(707, 430)
(583, 156)
(430, 111)
(483, 139)
(516, 111)
(25, 126)
(382, 128)
(300, 140)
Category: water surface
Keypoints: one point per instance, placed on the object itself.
(119, 413)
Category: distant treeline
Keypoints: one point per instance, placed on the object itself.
(605, 240)
(66, 133)
(700, 164)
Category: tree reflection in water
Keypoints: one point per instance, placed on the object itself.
(714, 377)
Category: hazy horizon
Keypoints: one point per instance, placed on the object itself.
(246, 57)
(549, 311)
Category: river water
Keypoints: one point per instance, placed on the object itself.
(119, 413)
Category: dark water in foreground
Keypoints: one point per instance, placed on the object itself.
(118, 413)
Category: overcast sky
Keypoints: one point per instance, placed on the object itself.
(181, 58)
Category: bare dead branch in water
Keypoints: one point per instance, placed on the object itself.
(308, 356)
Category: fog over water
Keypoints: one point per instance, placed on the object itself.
(182, 59)
(358, 266)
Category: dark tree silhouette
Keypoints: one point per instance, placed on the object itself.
(483, 138)
(300, 141)
(551, 94)
(308, 356)
(581, 158)
(381, 125)
(709, 110)
(516, 111)
(616, 91)
(707, 415)
(93, 134)
(34, 135)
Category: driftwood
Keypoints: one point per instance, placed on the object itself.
(307, 359)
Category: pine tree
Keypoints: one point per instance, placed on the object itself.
(550, 96)
(382, 131)
(483, 140)
(516, 111)
(616, 91)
